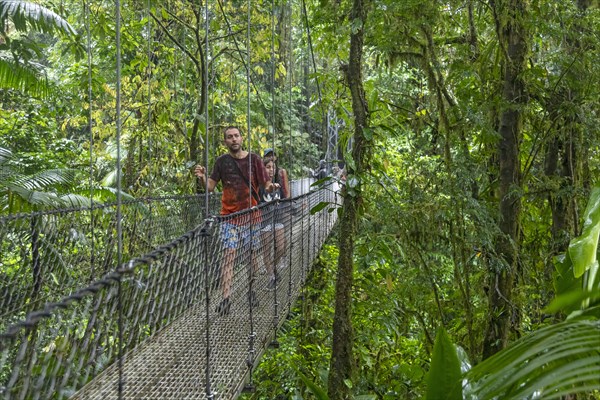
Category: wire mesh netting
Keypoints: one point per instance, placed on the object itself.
(49, 254)
(188, 319)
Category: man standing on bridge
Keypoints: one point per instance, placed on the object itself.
(242, 173)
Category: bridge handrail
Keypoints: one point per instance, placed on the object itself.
(145, 283)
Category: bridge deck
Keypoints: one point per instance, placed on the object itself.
(172, 364)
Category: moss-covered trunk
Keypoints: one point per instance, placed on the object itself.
(342, 361)
(510, 16)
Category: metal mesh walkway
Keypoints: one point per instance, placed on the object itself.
(152, 329)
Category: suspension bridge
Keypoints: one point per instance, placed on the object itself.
(122, 301)
(74, 324)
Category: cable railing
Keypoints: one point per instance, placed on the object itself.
(156, 327)
(46, 255)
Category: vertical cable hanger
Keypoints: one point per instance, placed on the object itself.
(250, 360)
(273, 72)
(119, 197)
(183, 70)
(290, 150)
(248, 98)
(149, 94)
(274, 209)
(314, 65)
(206, 116)
(149, 111)
(206, 230)
(91, 132)
(243, 56)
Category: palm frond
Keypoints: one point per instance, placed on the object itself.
(5, 155)
(25, 15)
(31, 198)
(6, 172)
(28, 78)
(559, 359)
(110, 179)
(104, 194)
(44, 179)
(318, 391)
(27, 191)
(76, 200)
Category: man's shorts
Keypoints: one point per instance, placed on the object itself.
(233, 234)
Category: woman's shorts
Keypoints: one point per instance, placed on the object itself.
(268, 226)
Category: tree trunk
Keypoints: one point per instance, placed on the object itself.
(510, 15)
(341, 363)
(563, 149)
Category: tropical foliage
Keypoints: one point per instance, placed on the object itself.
(18, 66)
(529, 367)
(19, 193)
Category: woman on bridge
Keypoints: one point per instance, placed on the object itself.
(273, 218)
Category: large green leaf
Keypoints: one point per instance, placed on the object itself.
(23, 193)
(577, 278)
(28, 78)
(559, 359)
(572, 301)
(76, 200)
(319, 392)
(564, 279)
(444, 380)
(26, 15)
(583, 249)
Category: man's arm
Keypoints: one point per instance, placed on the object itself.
(211, 185)
(200, 172)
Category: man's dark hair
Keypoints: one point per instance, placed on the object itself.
(232, 127)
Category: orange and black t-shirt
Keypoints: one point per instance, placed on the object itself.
(236, 192)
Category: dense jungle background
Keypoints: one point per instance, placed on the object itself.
(469, 131)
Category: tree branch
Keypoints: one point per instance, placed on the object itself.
(176, 42)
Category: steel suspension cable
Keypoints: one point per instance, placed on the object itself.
(185, 88)
(149, 97)
(248, 101)
(251, 337)
(149, 94)
(275, 170)
(273, 72)
(206, 116)
(291, 147)
(90, 128)
(290, 72)
(119, 197)
(206, 229)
